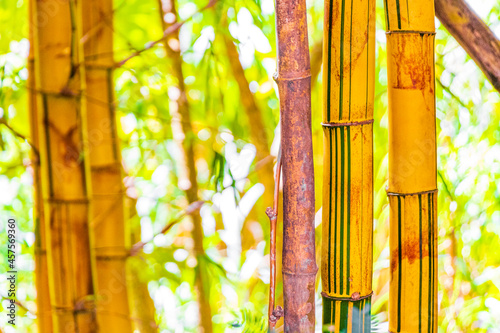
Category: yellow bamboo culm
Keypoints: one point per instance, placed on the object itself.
(348, 76)
(142, 307)
(63, 166)
(108, 219)
(412, 187)
(43, 311)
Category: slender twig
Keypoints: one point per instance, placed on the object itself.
(174, 27)
(19, 135)
(448, 90)
(272, 213)
(19, 304)
(190, 210)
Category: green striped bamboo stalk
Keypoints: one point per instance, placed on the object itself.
(412, 187)
(348, 76)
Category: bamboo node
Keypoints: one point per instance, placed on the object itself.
(389, 193)
(271, 213)
(354, 297)
(277, 314)
(291, 76)
(410, 32)
(287, 272)
(67, 92)
(56, 201)
(352, 123)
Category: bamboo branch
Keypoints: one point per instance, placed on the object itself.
(190, 210)
(168, 31)
(274, 313)
(3, 121)
(20, 305)
(473, 35)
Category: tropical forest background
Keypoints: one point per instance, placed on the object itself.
(236, 229)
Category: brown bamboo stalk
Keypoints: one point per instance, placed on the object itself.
(64, 166)
(108, 220)
(294, 84)
(473, 35)
(44, 316)
(182, 132)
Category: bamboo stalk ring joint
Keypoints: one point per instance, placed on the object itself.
(353, 298)
(354, 123)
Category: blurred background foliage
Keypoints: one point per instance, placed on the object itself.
(235, 226)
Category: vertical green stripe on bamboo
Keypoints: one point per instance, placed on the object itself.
(409, 15)
(412, 166)
(349, 54)
(347, 227)
(413, 245)
(343, 316)
(348, 159)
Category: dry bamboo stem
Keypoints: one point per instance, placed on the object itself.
(64, 170)
(474, 35)
(349, 53)
(412, 166)
(108, 220)
(294, 84)
(182, 132)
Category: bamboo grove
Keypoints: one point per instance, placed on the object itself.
(90, 240)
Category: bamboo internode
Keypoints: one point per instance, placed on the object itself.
(412, 166)
(348, 76)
